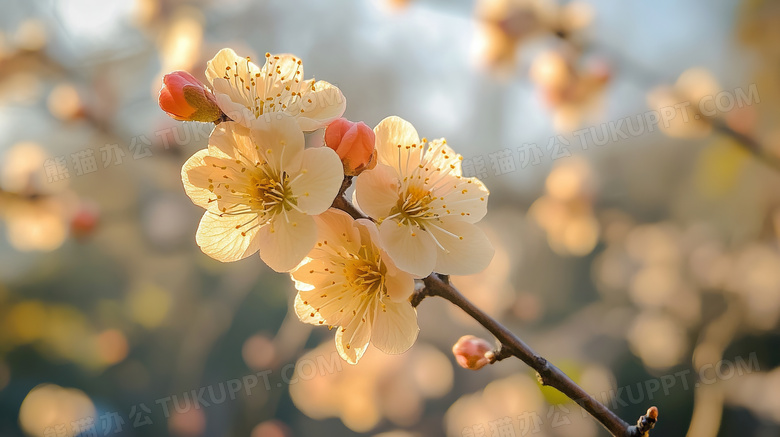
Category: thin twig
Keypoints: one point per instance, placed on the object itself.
(548, 374)
(341, 202)
(344, 205)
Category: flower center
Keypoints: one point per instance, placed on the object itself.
(414, 206)
(260, 194)
(273, 195)
(363, 275)
(365, 272)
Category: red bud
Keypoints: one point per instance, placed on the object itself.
(354, 143)
(185, 98)
(470, 352)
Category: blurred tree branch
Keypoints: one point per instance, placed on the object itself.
(748, 143)
(709, 398)
(648, 77)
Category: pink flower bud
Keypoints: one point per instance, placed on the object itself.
(470, 352)
(354, 143)
(185, 98)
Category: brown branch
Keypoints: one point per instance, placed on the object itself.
(341, 202)
(548, 373)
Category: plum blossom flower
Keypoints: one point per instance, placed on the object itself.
(425, 208)
(348, 281)
(260, 188)
(245, 92)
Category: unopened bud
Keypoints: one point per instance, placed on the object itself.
(652, 413)
(472, 352)
(354, 143)
(185, 98)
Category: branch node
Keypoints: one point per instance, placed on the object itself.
(421, 293)
(544, 370)
(500, 353)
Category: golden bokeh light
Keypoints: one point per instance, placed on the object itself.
(64, 102)
(566, 212)
(507, 397)
(50, 405)
(381, 386)
(31, 35)
(659, 340)
(148, 305)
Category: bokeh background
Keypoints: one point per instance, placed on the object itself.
(638, 260)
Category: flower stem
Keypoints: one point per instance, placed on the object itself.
(341, 202)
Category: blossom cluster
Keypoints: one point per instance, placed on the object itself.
(264, 191)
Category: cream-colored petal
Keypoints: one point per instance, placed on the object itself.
(352, 340)
(337, 228)
(221, 142)
(227, 63)
(312, 274)
(230, 185)
(195, 178)
(320, 104)
(318, 181)
(281, 77)
(411, 249)
(281, 70)
(228, 237)
(467, 248)
(376, 191)
(467, 200)
(395, 327)
(306, 313)
(235, 106)
(225, 88)
(216, 67)
(440, 155)
(285, 241)
(391, 133)
(335, 302)
(399, 285)
(280, 141)
(232, 141)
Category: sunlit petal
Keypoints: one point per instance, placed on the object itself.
(411, 249)
(227, 238)
(318, 181)
(395, 327)
(285, 241)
